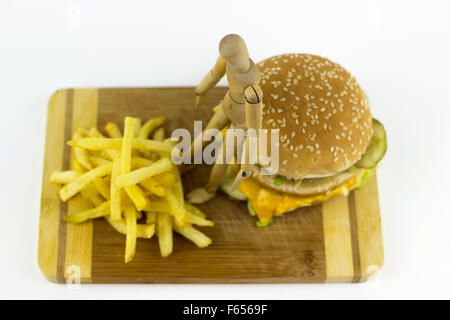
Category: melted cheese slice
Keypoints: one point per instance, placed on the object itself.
(268, 202)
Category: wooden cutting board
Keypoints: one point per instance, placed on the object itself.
(338, 241)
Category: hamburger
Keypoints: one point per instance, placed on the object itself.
(329, 143)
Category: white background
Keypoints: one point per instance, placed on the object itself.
(398, 50)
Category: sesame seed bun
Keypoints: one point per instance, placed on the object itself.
(322, 113)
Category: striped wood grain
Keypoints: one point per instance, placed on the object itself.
(50, 203)
(339, 241)
(78, 251)
(369, 229)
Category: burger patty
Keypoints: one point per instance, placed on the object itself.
(308, 186)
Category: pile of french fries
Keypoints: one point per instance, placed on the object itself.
(132, 183)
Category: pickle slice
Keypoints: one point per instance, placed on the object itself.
(227, 185)
(279, 180)
(260, 224)
(251, 210)
(376, 149)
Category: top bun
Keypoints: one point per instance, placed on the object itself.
(322, 113)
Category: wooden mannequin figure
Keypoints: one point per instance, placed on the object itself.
(241, 109)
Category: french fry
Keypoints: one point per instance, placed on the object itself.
(63, 177)
(146, 130)
(96, 143)
(93, 132)
(166, 179)
(136, 176)
(102, 154)
(106, 154)
(153, 187)
(96, 199)
(169, 145)
(149, 126)
(164, 228)
(137, 196)
(69, 190)
(113, 143)
(150, 217)
(198, 237)
(149, 155)
(131, 223)
(156, 205)
(170, 142)
(192, 213)
(127, 144)
(77, 166)
(113, 130)
(102, 187)
(151, 145)
(137, 128)
(178, 186)
(115, 193)
(139, 162)
(178, 190)
(194, 210)
(80, 154)
(98, 161)
(144, 231)
(199, 221)
(176, 208)
(97, 212)
(90, 191)
(159, 134)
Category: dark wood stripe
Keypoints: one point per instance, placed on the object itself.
(354, 238)
(63, 208)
